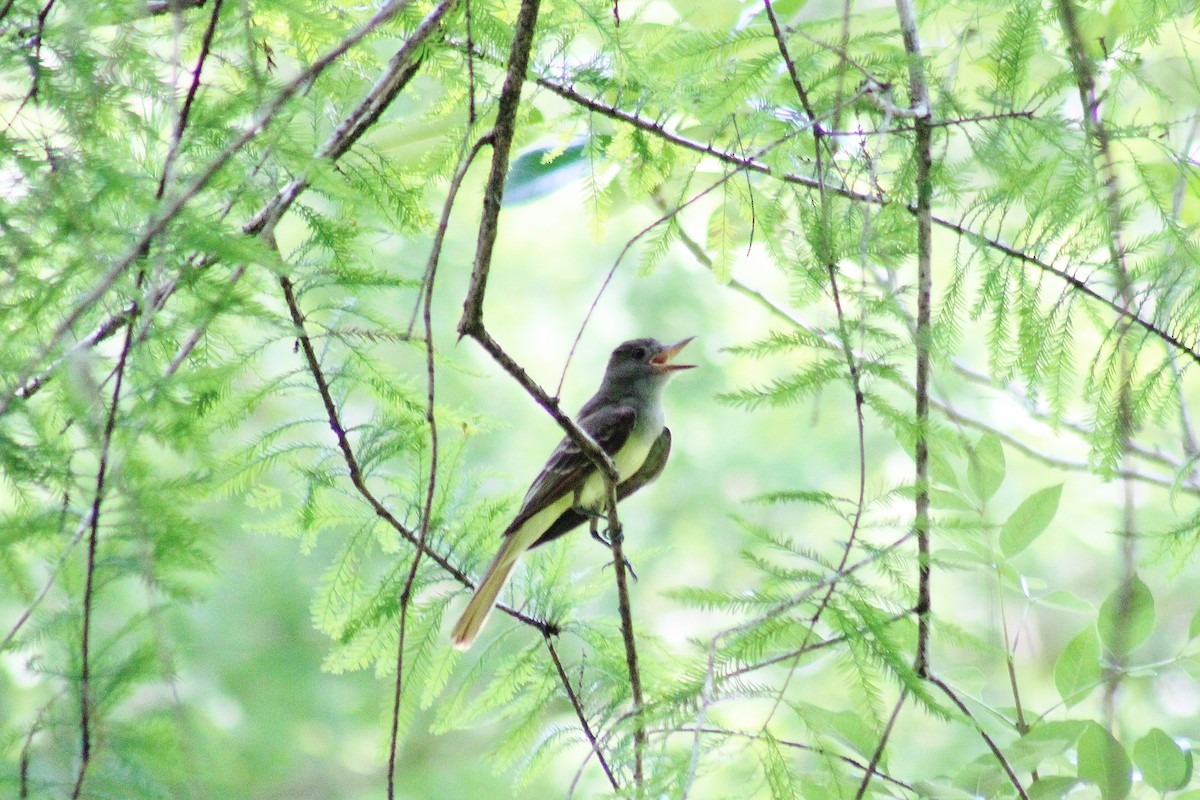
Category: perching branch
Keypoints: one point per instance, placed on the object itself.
(615, 537)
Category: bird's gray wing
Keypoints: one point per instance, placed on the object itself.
(651, 468)
(568, 467)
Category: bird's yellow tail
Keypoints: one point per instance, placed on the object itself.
(477, 610)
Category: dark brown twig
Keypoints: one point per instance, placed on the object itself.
(185, 111)
(748, 162)
(503, 131)
(794, 745)
(824, 253)
(876, 756)
(355, 472)
(615, 540)
(430, 278)
(575, 704)
(85, 689)
(996, 751)
(1097, 132)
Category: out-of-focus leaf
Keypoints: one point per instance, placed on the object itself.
(1078, 668)
(985, 466)
(1103, 761)
(1123, 630)
(1164, 765)
(541, 171)
(1030, 519)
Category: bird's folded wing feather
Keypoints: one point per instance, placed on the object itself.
(568, 466)
(651, 468)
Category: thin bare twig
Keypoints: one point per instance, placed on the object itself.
(1098, 133)
(85, 689)
(503, 131)
(991, 743)
(575, 704)
(882, 746)
(430, 278)
(185, 111)
(615, 537)
(1192, 351)
(825, 254)
(355, 471)
(788, 743)
(84, 526)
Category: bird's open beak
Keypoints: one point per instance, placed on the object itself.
(663, 359)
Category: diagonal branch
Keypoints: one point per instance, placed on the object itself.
(503, 131)
(85, 689)
(356, 475)
(751, 164)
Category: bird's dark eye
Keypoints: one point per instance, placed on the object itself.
(639, 353)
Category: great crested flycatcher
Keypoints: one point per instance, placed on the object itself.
(624, 417)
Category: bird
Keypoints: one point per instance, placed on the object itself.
(625, 417)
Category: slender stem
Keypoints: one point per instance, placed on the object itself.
(583, 721)
(881, 747)
(751, 163)
(502, 137)
(615, 537)
(85, 687)
(988, 740)
(923, 153)
(355, 471)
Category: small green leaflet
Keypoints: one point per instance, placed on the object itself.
(1077, 670)
(1102, 761)
(985, 467)
(1163, 764)
(1030, 519)
(1125, 634)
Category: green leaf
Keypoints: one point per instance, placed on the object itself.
(1051, 787)
(543, 170)
(1044, 740)
(941, 471)
(1102, 761)
(985, 466)
(1194, 628)
(1122, 628)
(1164, 765)
(1077, 670)
(1030, 519)
(940, 498)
